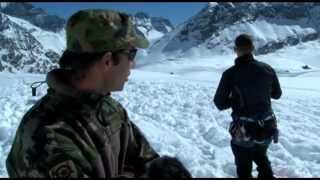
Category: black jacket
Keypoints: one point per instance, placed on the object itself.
(257, 82)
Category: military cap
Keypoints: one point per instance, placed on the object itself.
(99, 30)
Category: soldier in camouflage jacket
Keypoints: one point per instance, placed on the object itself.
(77, 129)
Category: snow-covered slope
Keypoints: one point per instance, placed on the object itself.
(32, 41)
(36, 16)
(213, 30)
(48, 39)
(28, 48)
(299, 60)
(150, 55)
(153, 28)
(172, 103)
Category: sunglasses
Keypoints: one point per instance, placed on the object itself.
(130, 53)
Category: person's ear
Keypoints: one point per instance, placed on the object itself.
(107, 59)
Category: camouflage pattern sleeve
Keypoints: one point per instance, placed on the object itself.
(64, 156)
(139, 151)
(49, 154)
(65, 169)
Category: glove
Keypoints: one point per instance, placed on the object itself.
(167, 167)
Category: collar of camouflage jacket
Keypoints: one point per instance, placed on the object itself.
(56, 80)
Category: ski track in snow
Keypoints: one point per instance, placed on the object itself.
(179, 119)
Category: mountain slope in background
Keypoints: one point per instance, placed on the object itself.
(27, 48)
(36, 16)
(153, 28)
(213, 30)
(32, 41)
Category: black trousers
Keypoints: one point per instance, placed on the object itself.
(244, 158)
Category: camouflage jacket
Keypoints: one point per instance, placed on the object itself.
(73, 134)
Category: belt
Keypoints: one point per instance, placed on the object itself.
(260, 121)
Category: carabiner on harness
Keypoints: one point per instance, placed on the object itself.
(261, 122)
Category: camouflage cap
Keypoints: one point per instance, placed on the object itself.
(98, 30)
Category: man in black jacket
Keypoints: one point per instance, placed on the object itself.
(247, 88)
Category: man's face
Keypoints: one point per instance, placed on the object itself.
(119, 73)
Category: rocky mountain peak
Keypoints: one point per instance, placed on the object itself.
(36, 16)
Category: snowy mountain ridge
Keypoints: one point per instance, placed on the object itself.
(36, 16)
(153, 28)
(212, 31)
(29, 46)
(209, 33)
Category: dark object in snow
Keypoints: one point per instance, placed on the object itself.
(306, 67)
(167, 167)
(35, 85)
